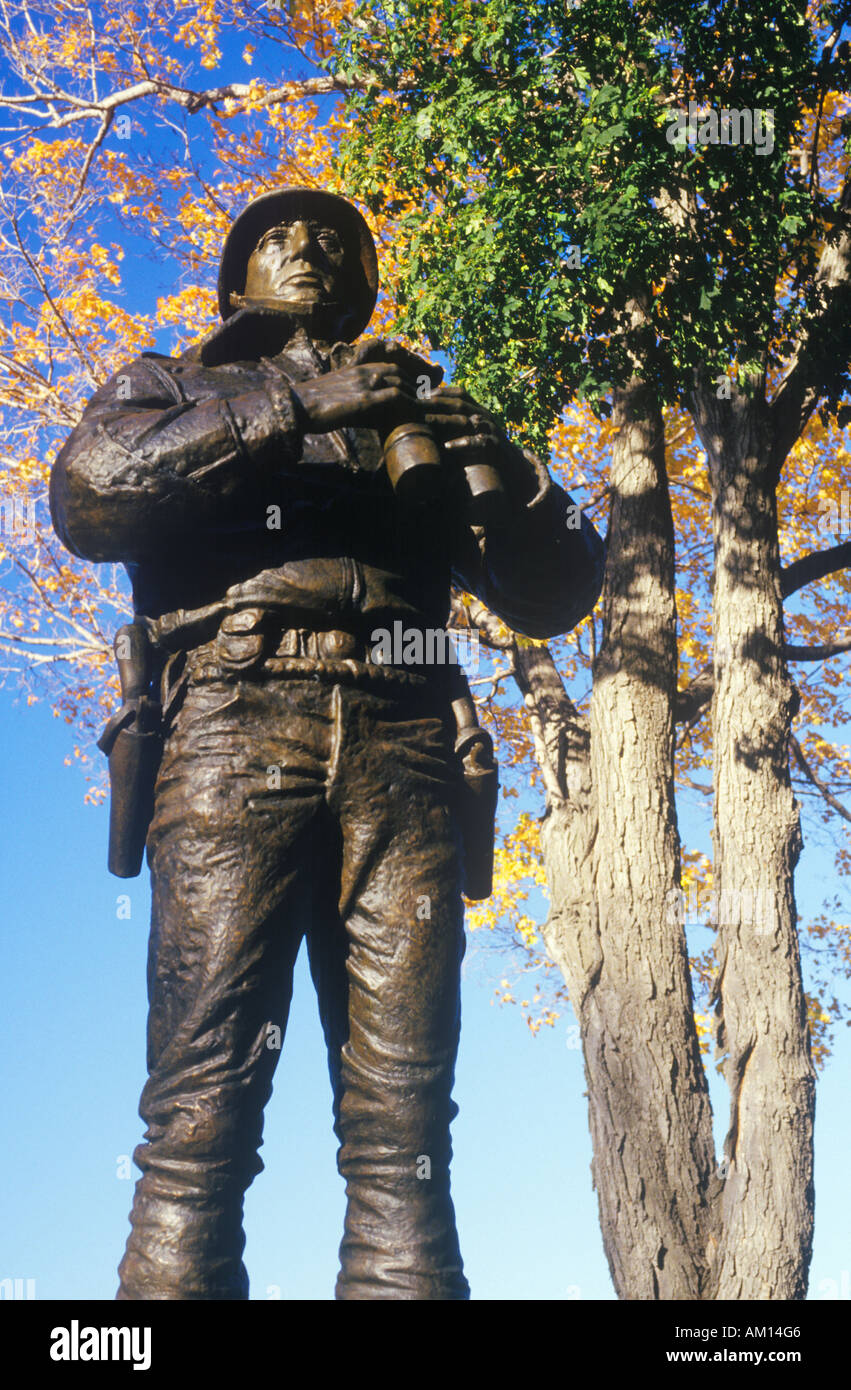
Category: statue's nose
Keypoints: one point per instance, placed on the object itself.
(299, 239)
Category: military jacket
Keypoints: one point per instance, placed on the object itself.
(198, 475)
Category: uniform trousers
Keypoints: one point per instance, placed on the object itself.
(283, 809)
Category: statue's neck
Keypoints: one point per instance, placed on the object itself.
(257, 330)
(302, 340)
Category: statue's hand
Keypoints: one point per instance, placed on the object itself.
(460, 424)
(464, 428)
(426, 374)
(365, 396)
(384, 385)
(468, 434)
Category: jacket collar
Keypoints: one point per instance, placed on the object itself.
(257, 332)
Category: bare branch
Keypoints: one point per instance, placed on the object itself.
(490, 629)
(689, 703)
(90, 154)
(815, 566)
(559, 732)
(842, 644)
(240, 93)
(42, 284)
(811, 776)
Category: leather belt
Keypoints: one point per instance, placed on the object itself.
(251, 644)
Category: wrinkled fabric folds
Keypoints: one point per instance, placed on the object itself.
(290, 809)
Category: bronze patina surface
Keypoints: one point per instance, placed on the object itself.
(285, 782)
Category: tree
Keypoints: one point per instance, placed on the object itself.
(648, 209)
(539, 226)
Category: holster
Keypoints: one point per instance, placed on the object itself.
(133, 743)
(478, 794)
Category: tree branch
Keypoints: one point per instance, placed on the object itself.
(193, 101)
(559, 731)
(90, 154)
(815, 566)
(42, 284)
(831, 800)
(691, 701)
(476, 614)
(823, 349)
(842, 644)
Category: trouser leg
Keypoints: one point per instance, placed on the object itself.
(227, 869)
(403, 915)
(210, 1077)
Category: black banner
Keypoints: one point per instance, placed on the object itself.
(87, 1339)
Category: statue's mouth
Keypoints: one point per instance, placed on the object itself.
(303, 279)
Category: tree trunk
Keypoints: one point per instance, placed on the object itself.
(672, 1229)
(612, 855)
(767, 1202)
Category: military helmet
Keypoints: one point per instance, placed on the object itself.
(296, 203)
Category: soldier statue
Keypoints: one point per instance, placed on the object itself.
(279, 495)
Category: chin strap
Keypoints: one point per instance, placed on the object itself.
(239, 301)
(294, 309)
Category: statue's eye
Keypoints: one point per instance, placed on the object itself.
(276, 235)
(281, 235)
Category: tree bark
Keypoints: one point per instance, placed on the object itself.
(767, 1202)
(612, 855)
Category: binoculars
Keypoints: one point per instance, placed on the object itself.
(414, 467)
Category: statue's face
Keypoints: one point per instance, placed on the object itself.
(299, 265)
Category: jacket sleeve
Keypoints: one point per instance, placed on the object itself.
(542, 572)
(154, 462)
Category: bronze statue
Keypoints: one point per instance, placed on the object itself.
(278, 496)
